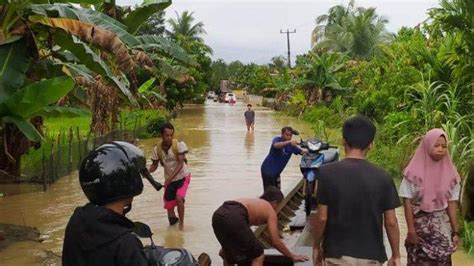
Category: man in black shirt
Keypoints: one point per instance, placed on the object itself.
(355, 198)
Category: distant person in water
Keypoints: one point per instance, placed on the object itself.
(231, 224)
(280, 152)
(249, 117)
(171, 154)
(430, 192)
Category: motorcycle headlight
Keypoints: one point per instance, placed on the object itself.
(314, 146)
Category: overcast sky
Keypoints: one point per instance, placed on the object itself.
(249, 30)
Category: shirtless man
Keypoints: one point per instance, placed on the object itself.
(231, 223)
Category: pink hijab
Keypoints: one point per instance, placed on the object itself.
(435, 179)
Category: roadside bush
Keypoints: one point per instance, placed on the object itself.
(396, 126)
(393, 158)
(318, 113)
(154, 124)
(467, 237)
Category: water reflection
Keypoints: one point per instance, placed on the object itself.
(249, 140)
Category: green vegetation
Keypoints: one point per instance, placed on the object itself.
(407, 83)
(88, 60)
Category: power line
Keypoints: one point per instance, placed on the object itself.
(288, 43)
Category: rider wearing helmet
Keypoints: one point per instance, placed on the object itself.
(99, 233)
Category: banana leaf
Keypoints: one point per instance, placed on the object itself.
(14, 62)
(31, 99)
(146, 86)
(25, 127)
(166, 47)
(138, 16)
(91, 60)
(61, 111)
(87, 15)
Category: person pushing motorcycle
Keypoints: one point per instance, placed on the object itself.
(280, 153)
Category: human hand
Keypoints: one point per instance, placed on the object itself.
(412, 238)
(297, 257)
(293, 142)
(394, 261)
(304, 151)
(455, 242)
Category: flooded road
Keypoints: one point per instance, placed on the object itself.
(224, 161)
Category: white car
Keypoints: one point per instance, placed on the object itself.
(230, 97)
(211, 95)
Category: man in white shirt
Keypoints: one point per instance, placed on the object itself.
(171, 155)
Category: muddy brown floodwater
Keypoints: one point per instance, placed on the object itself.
(224, 160)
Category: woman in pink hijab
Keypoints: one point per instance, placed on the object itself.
(430, 191)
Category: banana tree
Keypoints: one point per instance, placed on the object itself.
(22, 104)
(49, 41)
(319, 75)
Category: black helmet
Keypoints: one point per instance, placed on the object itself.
(113, 171)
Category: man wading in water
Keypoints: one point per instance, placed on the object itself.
(171, 155)
(249, 117)
(231, 223)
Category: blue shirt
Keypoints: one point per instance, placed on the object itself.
(277, 159)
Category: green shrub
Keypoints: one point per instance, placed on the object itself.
(397, 125)
(154, 124)
(467, 237)
(331, 118)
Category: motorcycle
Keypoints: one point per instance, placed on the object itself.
(160, 256)
(319, 153)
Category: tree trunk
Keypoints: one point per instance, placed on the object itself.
(163, 87)
(16, 144)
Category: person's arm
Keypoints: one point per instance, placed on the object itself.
(393, 234)
(408, 192)
(412, 237)
(282, 144)
(272, 226)
(153, 166)
(452, 214)
(318, 223)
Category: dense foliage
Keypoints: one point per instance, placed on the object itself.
(66, 59)
(409, 82)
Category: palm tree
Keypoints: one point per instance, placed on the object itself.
(335, 16)
(356, 31)
(183, 26)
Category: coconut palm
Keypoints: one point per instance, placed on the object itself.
(184, 25)
(356, 31)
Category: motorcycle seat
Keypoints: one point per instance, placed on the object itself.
(330, 155)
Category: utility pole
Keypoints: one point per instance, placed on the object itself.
(288, 43)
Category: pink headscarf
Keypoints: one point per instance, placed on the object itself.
(435, 179)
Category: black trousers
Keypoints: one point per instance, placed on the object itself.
(271, 181)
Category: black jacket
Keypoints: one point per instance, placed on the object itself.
(98, 236)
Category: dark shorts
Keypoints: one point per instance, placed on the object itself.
(231, 227)
(271, 181)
